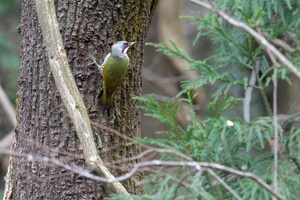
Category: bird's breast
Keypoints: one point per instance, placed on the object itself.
(114, 72)
(116, 68)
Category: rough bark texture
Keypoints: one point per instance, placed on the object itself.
(44, 128)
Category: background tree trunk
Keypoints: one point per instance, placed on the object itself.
(44, 128)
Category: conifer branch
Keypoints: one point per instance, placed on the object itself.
(259, 38)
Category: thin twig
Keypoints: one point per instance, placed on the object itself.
(181, 180)
(275, 130)
(242, 174)
(261, 88)
(261, 39)
(148, 151)
(185, 184)
(275, 119)
(222, 182)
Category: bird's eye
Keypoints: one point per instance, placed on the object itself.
(125, 43)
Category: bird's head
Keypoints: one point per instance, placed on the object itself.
(120, 47)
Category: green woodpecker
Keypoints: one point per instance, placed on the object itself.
(113, 70)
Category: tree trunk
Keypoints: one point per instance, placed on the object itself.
(44, 128)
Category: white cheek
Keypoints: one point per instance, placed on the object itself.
(125, 50)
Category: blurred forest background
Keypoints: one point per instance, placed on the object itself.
(161, 74)
(9, 71)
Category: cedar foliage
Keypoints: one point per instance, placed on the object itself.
(243, 146)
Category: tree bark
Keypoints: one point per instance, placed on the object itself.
(44, 127)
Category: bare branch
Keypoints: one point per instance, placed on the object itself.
(6, 141)
(68, 90)
(280, 43)
(198, 166)
(261, 39)
(11, 115)
(73, 168)
(8, 108)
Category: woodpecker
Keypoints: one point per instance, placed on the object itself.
(113, 70)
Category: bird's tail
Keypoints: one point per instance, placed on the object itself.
(107, 100)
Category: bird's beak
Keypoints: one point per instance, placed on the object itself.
(131, 43)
